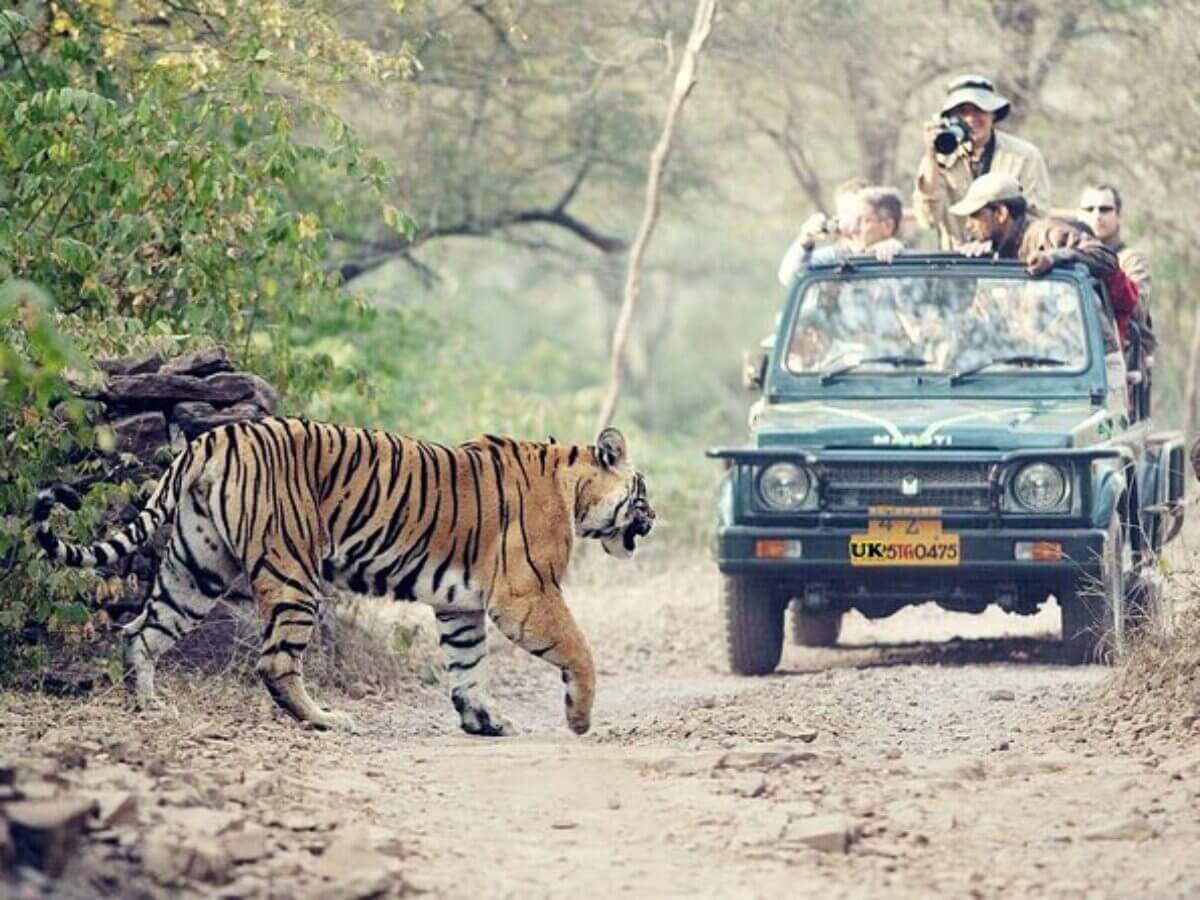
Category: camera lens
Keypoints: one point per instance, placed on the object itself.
(946, 141)
(950, 134)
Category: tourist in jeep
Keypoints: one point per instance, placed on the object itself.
(999, 221)
(868, 222)
(961, 143)
(1100, 207)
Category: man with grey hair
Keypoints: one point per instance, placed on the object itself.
(879, 222)
(876, 216)
(943, 178)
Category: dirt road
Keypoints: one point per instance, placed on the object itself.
(908, 764)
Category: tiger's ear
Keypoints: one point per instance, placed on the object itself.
(610, 448)
(552, 440)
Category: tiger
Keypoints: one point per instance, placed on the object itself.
(287, 508)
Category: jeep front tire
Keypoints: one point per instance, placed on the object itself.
(754, 613)
(1093, 619)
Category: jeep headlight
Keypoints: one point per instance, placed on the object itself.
(1041, 487)
(784, 485)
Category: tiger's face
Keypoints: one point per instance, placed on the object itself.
(612, 504)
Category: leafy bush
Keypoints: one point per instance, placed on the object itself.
(153, 162)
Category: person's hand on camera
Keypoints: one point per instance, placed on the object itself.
(814, 226)
(932, 128)
(930, 173)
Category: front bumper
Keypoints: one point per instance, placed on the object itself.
(986, 561)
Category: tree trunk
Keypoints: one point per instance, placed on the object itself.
(685, 80)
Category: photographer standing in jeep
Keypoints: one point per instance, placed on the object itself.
(960, 145)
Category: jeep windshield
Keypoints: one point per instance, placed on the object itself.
(908, 324)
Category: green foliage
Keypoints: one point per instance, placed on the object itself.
(34, 356)
(155, 165)
(34, 352)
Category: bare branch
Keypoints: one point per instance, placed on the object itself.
(685, 80)
(380, 252)
(573, 187)
(479, 7)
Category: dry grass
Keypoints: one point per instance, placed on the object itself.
(1156, 689)
(377, 645)
(366, 644)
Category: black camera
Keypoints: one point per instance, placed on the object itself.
(952, 131)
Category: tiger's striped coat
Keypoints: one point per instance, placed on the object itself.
(484, 529)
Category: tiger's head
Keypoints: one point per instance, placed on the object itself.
(611, 502)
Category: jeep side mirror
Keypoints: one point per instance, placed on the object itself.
(754, 369)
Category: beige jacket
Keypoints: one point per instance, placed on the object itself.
(1011, 155)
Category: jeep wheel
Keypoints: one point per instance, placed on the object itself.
(1093, 620)
(815, 629)
(753, 624)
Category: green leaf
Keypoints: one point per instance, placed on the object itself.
(72, 613)
(12, 24)
(403, 224)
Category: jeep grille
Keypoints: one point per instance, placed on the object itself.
(849, 486)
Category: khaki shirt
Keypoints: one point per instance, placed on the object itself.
(1012, 156)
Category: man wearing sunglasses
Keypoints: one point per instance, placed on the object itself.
(943, 178)
(1100, 209)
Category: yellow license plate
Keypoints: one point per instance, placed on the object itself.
(896, 539)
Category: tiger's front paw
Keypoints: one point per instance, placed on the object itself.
(578, 720)
(577, 700)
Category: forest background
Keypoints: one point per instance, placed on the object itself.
(416, 214)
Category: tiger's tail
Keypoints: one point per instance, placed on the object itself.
(157, 510)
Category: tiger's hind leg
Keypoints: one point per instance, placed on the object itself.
(288, 610)
(463, 636)
(196, 569)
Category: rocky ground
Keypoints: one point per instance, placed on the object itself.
(935, 755)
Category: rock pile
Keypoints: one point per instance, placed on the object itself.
(77, 822)
(150, 402)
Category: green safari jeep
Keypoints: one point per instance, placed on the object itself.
(951, 430)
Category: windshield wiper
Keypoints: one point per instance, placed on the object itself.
(906, 362)
(1021, 359)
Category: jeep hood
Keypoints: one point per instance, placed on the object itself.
(933, 422)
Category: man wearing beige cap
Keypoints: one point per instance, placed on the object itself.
(998, 219)
(943, 177)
